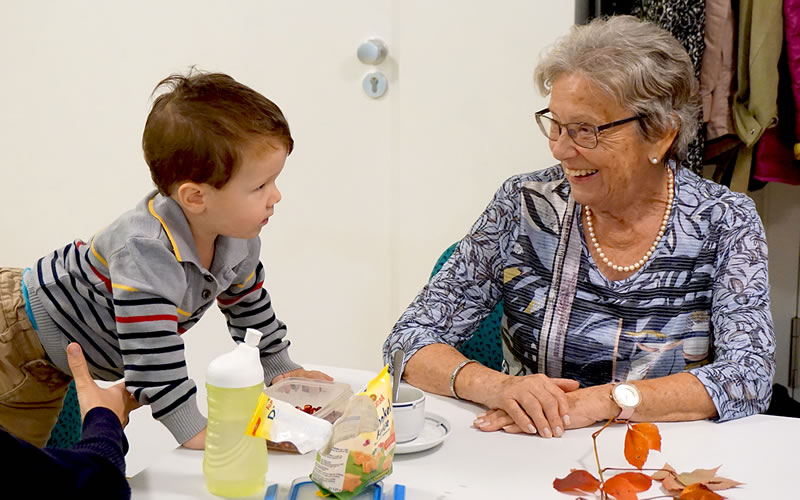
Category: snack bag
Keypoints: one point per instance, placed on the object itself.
(361, 447)
(286, 427)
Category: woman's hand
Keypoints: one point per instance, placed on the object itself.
(586, 407)
(534, 403)
(302, 373)
(116, 398)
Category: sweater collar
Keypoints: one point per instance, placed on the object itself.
(228, 251)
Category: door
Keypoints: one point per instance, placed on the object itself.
(462, 120)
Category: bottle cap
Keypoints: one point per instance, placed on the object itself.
(240, 367)
(252, 337)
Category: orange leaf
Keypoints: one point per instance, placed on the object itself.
(625, 486)
(577, 481)
(650, 431)
(698, 491)
(637, 447)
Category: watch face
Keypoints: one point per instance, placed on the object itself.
(626, 395)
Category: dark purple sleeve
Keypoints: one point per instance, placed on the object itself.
(93, 468)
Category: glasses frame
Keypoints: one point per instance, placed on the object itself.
(572, 133)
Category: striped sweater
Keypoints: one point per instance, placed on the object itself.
(129, 294)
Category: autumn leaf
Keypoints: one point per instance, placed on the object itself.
(699, 491)
(675, 483)
(664, 472)
(639, 440)
(708, 478)
(668, 477)
(625, 486)
(650, 431)
(577, 481)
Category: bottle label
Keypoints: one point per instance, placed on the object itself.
(261, 422)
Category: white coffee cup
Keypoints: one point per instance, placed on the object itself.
(409, 413)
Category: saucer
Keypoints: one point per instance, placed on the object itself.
(436, 429)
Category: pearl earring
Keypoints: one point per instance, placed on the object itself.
(654, 160)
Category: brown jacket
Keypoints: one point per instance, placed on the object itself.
(716, 71)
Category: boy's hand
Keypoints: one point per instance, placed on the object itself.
(301, 373)
(116, 398)
(198, 442)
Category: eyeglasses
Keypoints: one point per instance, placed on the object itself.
(582, 134)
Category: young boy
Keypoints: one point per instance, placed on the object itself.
(215, 148)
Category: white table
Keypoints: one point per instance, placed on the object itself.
(759, 451)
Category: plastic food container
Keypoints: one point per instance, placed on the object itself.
(303, 489)
(320, 398)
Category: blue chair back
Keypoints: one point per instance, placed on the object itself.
(485, 346)
(67, 430)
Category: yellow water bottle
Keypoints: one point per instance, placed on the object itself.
(235, 464)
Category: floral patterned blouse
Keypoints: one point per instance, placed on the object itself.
(700, 304)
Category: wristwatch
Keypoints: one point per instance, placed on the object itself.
(627, 397)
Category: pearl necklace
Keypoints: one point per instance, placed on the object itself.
(661, 231)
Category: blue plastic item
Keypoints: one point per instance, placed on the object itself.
(307, 490)
(272, 492)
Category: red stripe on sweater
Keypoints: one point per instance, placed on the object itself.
(227, 302)
(102, 278)
(143, 319)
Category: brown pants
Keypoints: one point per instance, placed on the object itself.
(32, 389)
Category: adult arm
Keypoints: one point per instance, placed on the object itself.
(93, 468)
(537, 403)
(674, 398)
(452, 304)
(739, 380)
(450, 307)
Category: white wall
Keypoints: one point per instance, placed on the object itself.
(375, 190)
(779, 207)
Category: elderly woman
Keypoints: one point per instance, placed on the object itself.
(631, 287)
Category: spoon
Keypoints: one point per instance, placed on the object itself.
(397, 362)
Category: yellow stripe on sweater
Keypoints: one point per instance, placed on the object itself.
(166, 229)
(123, 287)
(247, 279)
(97, 255)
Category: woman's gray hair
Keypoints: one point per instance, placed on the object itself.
(639, 65)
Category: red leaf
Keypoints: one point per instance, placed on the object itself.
(650, 431)
(625, 486)
(698, 491)
(637, 447)
(576, 482)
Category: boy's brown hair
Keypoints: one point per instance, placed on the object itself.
(197, 130)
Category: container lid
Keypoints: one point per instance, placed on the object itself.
(321, 398)
(303, 489)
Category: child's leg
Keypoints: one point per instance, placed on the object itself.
(31, 388)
